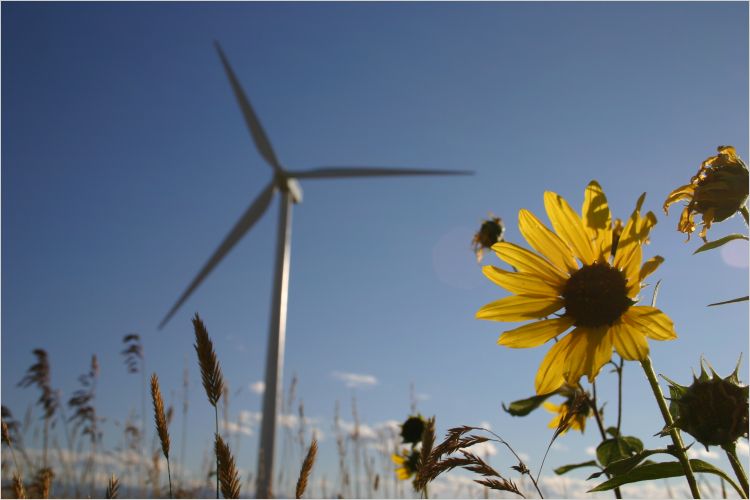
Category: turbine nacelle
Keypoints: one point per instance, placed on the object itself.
(288, 184)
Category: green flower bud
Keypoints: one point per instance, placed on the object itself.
(490, 232)
(713, 410)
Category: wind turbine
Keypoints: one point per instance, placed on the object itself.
(284, 181)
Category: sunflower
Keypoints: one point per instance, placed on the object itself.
(407, 462)
(716, 192)
(576, 270)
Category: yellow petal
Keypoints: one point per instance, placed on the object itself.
(546, 242)
(549, 377)
(535, 334)
(645, 224)
(599, 351)
(589, 350)
(568, 225)
(681, 193)
(397, 459)
(650, 266)
(631, 270)
(628, 241)
(597, 219)
(552, 407)
(578, 423)
(630, 343)
(555, 422)
(651, 322)
(521, 283)
(519, 308)
(529, 262)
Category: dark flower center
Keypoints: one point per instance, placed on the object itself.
(596, 295)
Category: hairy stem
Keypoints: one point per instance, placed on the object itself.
(619, 394)
(600, 425)
(739, 471)
(673, 432)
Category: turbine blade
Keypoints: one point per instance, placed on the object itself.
(348, 172)
(253, 213)
(256, 129)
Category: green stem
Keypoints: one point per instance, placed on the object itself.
(619, 394)
(169, 475)
(600, 424)
(673, 432)
(739, 471)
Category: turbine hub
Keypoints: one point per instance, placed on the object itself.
(289, 185)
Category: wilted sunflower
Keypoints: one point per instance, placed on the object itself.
(490, 232)
(598, 291)
(412, 429)
(407, 461)
(571, 414)
(716, 192)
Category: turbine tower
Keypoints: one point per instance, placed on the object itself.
(285, 182)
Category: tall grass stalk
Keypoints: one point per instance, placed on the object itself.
(213, 380)
(161, 424)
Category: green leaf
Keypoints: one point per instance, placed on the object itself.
(523, 407)
(617, 448)
(740, 299)
(612, 431)
(721, 241)
(567, 468)
(619, 467)
(663, 470)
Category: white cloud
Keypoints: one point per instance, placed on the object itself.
(248, 422)
(258, 387)
(558, 446)
(486, 425)
(355, 379)
(700, 452)
(572, 487)
(743, 448)
(591, 451)
(237, 428)
(735, 254)
(485, 449)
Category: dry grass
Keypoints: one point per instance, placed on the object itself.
(18, 489)
(43, 483)
(438, 461)
(227, 471)
(159, 416)
(306, 470)
(113, 487)
(162, 423)
(213, 380)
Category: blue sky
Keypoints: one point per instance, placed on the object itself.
(125, 161)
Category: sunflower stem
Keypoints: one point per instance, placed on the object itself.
(673, 432)
(739, 471)
(600, 424)
(619, 394)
